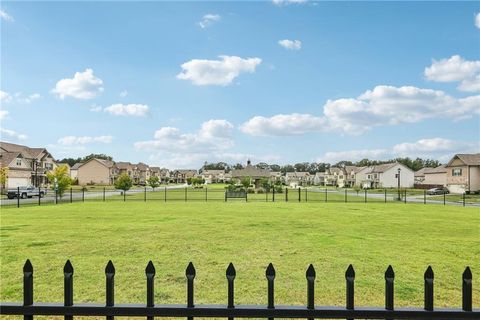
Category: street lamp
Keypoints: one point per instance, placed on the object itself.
(398, 180)
(35, 167)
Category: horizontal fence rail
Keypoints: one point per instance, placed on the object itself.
(230, 310)
(217, 194)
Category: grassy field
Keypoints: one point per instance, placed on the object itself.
(291, 235)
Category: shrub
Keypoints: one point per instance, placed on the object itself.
(250, 190)
(260, 191)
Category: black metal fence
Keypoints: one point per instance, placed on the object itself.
(206, 194)
(271, 310)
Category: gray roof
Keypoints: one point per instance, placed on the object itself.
(7, 157)
(123, 165)
(420, 173)
(468, 159)
(250, 171)
(76, 165)
(439, 169)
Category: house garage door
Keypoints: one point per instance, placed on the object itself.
(17, 182)
(456, 188)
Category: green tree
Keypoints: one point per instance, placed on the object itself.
(265, 183)
(245, 182)
(153, 182)
(123, 182)
(3, 176)
(60, 179)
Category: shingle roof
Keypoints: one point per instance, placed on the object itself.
(27, 152)
(76, 165)
(439, 169)
(420, 173)
(250, 171)
(123, 165)
(468, 159)
(7, 157)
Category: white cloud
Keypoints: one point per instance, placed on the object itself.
(287, 2)
(208, 20)
(95, 108)
(73, 140)
(7, 134)
(5, 97)
(214, 135)
(283, 124)
(384, 105)
(3, 114)
(124, 93)
(456, 69)
(134, 110)
(217, 72)
(432, 148)
(5, 16)
(30, 98)
(83, 85)
(477, 20)
(290, 44)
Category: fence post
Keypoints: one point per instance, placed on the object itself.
(71, 195)
(266, 196)
(389, 298)
(39, 195)
(124, 195)
(428, 291)
(185, 194)
(206, 194)
(103, 194)
(350, 279)
(385, 195)
(464, 199)
(270, 274)
(345, 195)
(165, 194)
(365, 195)
(150, 273)
(225, 195)
(467, 290)
(306, 195)
(190, 273)
(444, 197)
(424, 196)
(273, 194)
(405, 196)
(326, 197)
(231, 274)
(18, 197)
(299, 195)
(56, 196)
(28, 287)
(83, 194)
(110, 294)
(145, 194)
(68, 287)
(310, 275)
(286, 194)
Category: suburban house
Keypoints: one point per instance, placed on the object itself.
(97, 171)
(141, 173)
(350, 173)
(419, 176)
(334, 176)
(276, 176)
(27, 166)
(385, 176)
(125, 168)
(319, 179)
(181, 176)
(214, 176)
(74, 170)
(435, 177)
(296, 179)
(252, 172)
(164, 175)
(463, 173)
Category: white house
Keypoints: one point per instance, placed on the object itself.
(385, 176)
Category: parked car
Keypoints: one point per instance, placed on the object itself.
(436, 191)
(25, 192)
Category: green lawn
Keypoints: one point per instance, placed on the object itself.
(291, 235)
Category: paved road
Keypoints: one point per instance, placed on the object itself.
(77, 196)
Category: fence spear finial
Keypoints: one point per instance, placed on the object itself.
(350, 273)
(231, 272)
(150, 269)
(110, 268)
(270, 272)
(311, 274)
(27, 267)
(68, 268)
(190, 271)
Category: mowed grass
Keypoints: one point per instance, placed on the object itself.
(291, 235)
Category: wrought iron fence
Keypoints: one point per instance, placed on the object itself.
(271, 310)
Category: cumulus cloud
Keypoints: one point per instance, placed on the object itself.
(133, 110)
(208, 20)
(456, 69)
(283, 124)
(73, 140)
(30, 98)
(5, 97)
(384, 105)
(7, 134)
(214, 135)
(477, 20)
(3, 114)
(84, 85)
(217, 72)
(287, 2)
(290, 44)
(432, 148)
(5, 16)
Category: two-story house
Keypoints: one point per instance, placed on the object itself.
(463, 173)
(97, 171)
(385, 176)
(181, 175)
(296, 179)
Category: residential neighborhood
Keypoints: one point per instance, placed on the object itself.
(29, 165)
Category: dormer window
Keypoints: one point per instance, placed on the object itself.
(19, 162)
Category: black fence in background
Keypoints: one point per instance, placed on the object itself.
(28, 308)
(205, 194)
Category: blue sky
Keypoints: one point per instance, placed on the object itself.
(177, 84)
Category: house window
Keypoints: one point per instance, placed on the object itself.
(369, 176)
(19, 162)
(48, 166)
(456, 172)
